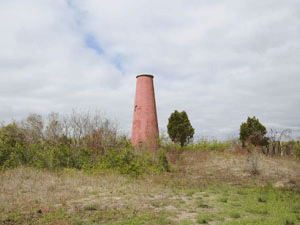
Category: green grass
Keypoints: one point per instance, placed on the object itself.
(223, 199)
(266, 206)
(155, 204)
(181, 201)
(235, 215)
(190, 193)
(201, 219)
(186, 221)
(212, 145)
(202, 205)
(90, 207)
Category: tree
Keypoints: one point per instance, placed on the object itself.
(33, 127)
(54, 128)
(179, 128)
(252, 128)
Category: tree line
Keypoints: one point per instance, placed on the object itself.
(252, 134)
(88, 140)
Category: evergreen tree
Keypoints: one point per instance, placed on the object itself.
(179, 128)
(252, 127)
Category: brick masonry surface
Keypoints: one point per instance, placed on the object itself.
(144, 124)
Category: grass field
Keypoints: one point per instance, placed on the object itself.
(204, 187)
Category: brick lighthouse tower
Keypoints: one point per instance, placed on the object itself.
(144, 124)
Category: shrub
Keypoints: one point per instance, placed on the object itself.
(11, 156)
(125, 161)
(96, 148)
(11, 146)
(298, 150)
(81, 158)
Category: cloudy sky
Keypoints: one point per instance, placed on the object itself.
(220, 61)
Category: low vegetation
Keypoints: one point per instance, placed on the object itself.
(82, 142)
(77, 170)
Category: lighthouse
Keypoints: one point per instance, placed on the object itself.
(144, 124)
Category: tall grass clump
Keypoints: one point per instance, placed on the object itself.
(213, 145)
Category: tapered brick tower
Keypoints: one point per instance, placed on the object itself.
(144, 124)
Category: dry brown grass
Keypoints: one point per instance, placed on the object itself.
(35, 192)
(28, 190)
(201, 167)
(228, 167)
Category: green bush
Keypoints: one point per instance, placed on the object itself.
(44, 156)
(18, 148)
(125, 161)
(12, 156)
(11, 146)
(51, 157)
(81, 158)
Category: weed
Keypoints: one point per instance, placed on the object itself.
(262, 199)
(63, 201)
(181, 201)
(165, 203)
(236, 204)
(90, 207)
(256, 210)
(155, 204)
(203, 219)
(287, 222)
(296, 209)
(98, 217)
(202, 205)
(190, 193)
(186, 221)
(253, 165)
(242, 192)
(235, 215)
(269, 185)
(225, 200)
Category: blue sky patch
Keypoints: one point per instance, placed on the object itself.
(92, 43)
(117, 61)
